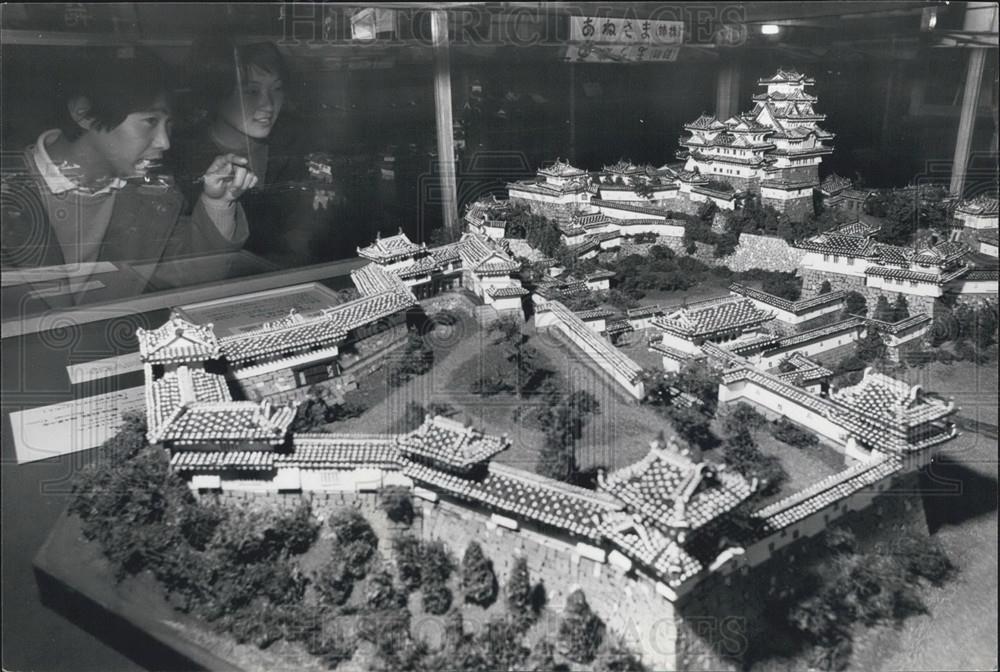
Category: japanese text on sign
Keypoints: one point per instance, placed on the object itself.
(626, 31)
(592, 53)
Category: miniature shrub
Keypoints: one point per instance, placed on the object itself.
(580, 630)
(519, 602)
(742, 416)
(299, 528)
(855, 304)
(923, 557)
(397, 503)
(785, 285)
(788, 432)
(741, 453)
(825, 288)
(355, 541)
(437, 564)
(334, 581)
(436, 597)
(409, 561)
(500, 648)
(479, 584)
(380, 592)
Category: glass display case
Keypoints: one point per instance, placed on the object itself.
(251, 158)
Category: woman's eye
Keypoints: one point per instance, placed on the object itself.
(152, 121)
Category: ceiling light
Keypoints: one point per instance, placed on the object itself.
(770, 29)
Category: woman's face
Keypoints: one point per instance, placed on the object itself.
(253, 108)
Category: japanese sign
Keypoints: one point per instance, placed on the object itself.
(639, 53)
(647, 32)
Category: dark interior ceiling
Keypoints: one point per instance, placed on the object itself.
(808, 30)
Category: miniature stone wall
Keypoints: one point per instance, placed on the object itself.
(812, 280)
(557, 212)
(766, 252)
(726, 612)
(628, 603)
(796, 209)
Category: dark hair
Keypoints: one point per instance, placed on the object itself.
(115, 85)
(212, 62)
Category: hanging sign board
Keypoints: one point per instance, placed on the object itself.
(594, 53)
(647, 32)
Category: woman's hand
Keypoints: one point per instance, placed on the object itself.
(228, 177)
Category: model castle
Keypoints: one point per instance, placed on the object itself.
(653, 534)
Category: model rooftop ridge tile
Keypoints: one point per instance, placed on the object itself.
(388, 249)
(603, 350)
(982, 204)
(796, 307)
(672, 490)
(177, 340)
(695, 321)
(834, 488)
(451, 443)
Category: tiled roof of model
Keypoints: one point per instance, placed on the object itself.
(372, 279)
(181, 386)
(818, 496)
(450, 442)
(524, 494)
(599, 347)
(980, 205)
(506, 292)
(177, 340)
(643, 311)
(561, 169)
(618, 326)
(599, 274)
(344, 451)
(917, 320)
(263, 343)
(786, 76)
(389, 249)
(806, 371)
(573, 186)
(368, 309)
(651, 547)
(421, 266)
(630, 207)
(595, 314)
(795, 307)
(880, 409)
(484, 257)
(859, 228)
(208, 460)
(225, 422)
(916, 276)
(778, 96)
(672, 353)
(591, 220)
(622, 167)
(706, 122)
(694, 322)
(778, 386)
(941, 254)
(834, 184)
(331, 326)
(983, 274)
(819, 333)
(672, 491)
(836, 243)
(744, 346)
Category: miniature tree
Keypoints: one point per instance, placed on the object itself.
(784, 285)
(883, 311)
(825, 288)
(519, 604)
(298, 528)
(381, 593)
(409, 561)
(855, 304)
(334, 581)
(871, 348)
(479, 584)
(436, 597)
(500, 645)
(397, 503)
(355, 541)
(580, 630)
(900, 309)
